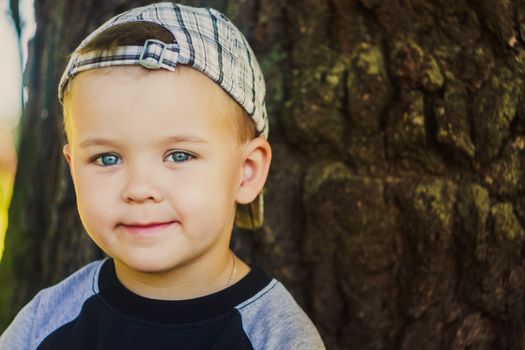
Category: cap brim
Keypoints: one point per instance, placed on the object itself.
(250, 216)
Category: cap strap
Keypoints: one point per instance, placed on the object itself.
(154, 54)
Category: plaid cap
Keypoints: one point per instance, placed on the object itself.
(206, 40)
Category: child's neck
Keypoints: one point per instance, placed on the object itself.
(186, 282)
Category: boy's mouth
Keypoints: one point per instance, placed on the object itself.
(146, 228)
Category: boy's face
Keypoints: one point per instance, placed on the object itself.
(155, 165)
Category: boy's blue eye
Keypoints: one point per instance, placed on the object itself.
(179, 156)
(107, 160)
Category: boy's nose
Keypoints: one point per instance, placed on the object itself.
(141, 189)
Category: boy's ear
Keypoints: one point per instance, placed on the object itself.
(66, 150)
(254, 169)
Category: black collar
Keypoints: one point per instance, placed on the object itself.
(178, 311)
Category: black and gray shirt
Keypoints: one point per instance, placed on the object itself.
(91, 309)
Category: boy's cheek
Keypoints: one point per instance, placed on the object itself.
(94, 190)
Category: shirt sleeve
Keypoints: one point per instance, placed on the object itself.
(19, 334)
(273, 320)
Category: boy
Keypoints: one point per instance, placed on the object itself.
(166, 126)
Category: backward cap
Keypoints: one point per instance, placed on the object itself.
(205, 39)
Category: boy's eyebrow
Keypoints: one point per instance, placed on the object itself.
(96, 142)
(182, 138)
(170, 139)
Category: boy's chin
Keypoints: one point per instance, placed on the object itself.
(148, 265)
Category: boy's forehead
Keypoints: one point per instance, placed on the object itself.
(120, 80)
(126, 88)
(181, 75)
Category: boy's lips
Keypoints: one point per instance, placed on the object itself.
(145, 228)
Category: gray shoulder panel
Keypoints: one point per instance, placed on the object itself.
(272, 319)
(51, 308)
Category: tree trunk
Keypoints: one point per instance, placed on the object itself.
(395, 208)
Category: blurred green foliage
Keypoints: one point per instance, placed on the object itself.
(6, 190)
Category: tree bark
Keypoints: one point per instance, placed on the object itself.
(395, 207)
